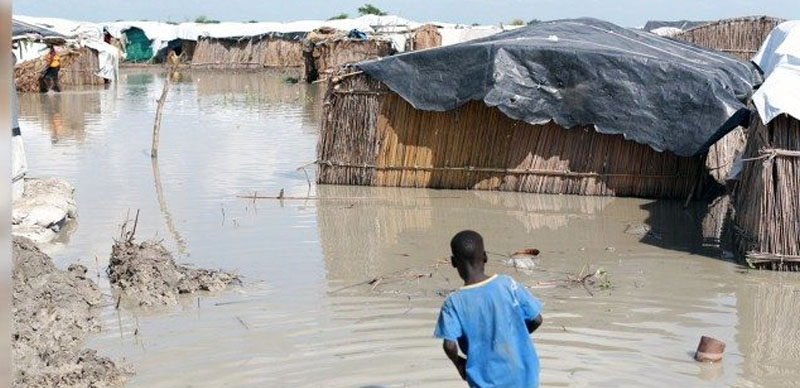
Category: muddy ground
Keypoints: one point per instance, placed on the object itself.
(146, 274)
(54, 311)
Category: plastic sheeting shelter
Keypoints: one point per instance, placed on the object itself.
(666, 94)
(565, 107)
(137, 46)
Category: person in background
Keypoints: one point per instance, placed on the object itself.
(490, 319)
(50, 72)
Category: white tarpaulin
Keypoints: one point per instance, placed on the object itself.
(779, 59)
(160, 34)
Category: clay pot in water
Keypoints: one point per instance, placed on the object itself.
(709, 350)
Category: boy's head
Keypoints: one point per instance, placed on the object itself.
(468, 255)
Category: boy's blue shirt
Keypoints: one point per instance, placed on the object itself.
(487, 320)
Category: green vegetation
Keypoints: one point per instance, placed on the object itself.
(517, 22)
(369, 9)
(171, 22)
(252, 21)
(205, 20)
(534, 21)
(339, 16)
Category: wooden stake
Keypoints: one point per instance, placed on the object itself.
(160, 108)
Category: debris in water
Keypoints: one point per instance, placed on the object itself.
(46, 207)
(640, 230)
(709, 349)
(146, 272)
(522, 260)
(52, 316)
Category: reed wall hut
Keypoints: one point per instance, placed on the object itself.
(767, 221)
(739, 38)
(424, 37)
(79, 66)
(767, 197)
(535, 123)
(284, 50)
(325, 50)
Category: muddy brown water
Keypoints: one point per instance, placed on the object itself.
(296, 323)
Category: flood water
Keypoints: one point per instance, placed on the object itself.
(304, 316)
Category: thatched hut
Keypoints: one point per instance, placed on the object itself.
(284, 50)
(738, 37)
(78, 67)
(767, 197)
(327, 49)
(85, 60)
(424, 37)
(541, 121)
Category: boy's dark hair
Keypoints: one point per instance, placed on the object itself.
(467, 245)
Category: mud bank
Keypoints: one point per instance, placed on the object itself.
(53, 314)
(46, 206)
(147, 274)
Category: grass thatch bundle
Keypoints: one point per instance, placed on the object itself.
(767, 220)
(259, 51)
(738, 37)
(424, 37)
(78, 67)
(371, 136)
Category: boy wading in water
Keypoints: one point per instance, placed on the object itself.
(490, 319)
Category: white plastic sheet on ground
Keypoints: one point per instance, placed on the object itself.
(779, 59)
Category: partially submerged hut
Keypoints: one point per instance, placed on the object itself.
(569, 107)
(740, 38)
(271, 50)
(84, 61)
(327, 49)
(767, 203)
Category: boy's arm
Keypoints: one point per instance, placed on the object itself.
(534, 323)
(451, 350)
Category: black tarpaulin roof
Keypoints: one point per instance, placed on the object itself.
(670, 95)
(21, 30)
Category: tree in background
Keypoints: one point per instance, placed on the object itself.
(339, 16)
(517, 22)
(369, 9)
(204, 19)
(534, 21)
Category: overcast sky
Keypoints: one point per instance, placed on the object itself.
(630, 13)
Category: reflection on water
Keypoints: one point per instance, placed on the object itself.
(300, 321)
